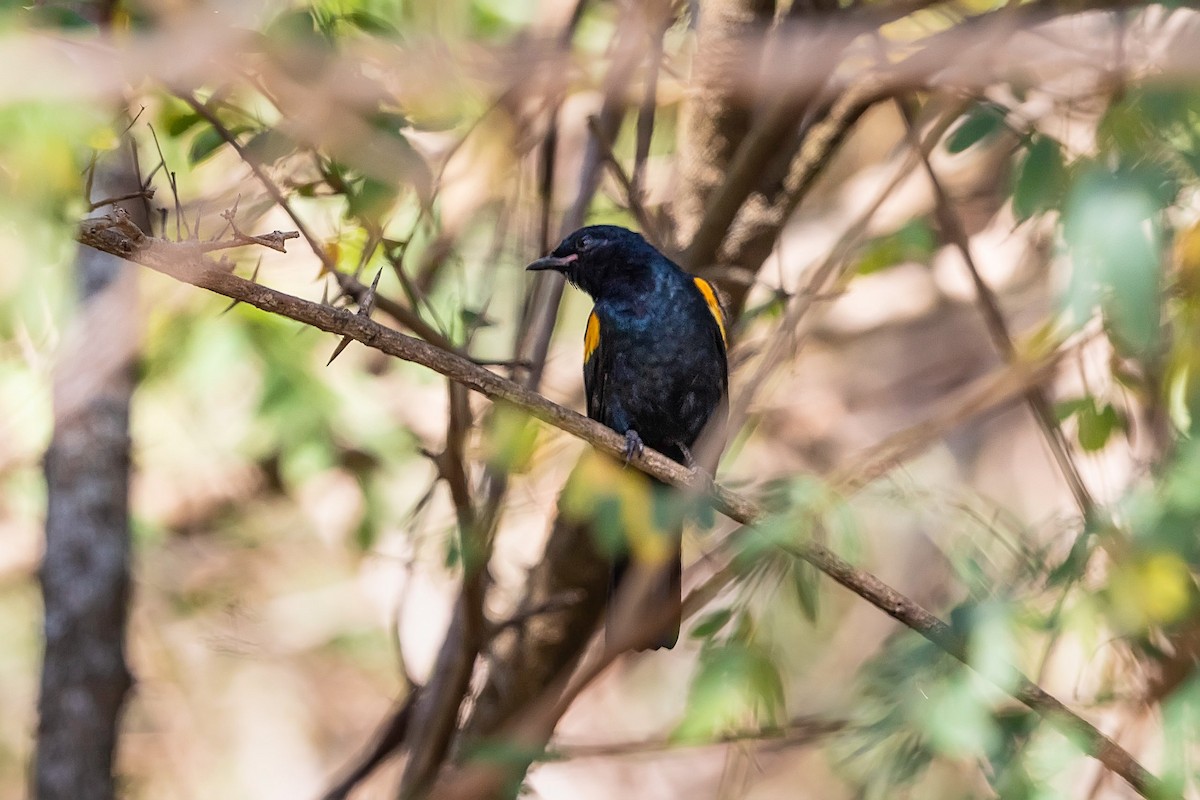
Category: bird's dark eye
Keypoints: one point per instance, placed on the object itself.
(586, 242)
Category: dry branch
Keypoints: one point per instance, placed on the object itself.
(118, 235)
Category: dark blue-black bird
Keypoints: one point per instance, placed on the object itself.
(655, 367)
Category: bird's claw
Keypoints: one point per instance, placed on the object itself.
(700, 476)
(634, 446)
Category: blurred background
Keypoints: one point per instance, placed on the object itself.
(959, 242)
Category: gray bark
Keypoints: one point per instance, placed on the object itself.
(85, 573)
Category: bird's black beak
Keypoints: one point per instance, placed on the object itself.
(557, 263)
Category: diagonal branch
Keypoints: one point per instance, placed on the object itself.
(993, 317)
(178, 261)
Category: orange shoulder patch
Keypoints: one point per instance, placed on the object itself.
(714, 305)
(591, 336)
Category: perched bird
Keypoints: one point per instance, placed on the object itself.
(654, 362)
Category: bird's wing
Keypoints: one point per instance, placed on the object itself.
(715, 307)
(593, 368)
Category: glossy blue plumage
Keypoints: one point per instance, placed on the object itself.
(657, 371)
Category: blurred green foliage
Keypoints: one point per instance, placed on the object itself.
(252, 389)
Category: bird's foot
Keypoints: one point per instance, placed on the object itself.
(634, 446)
(689, 460)
(700, 477)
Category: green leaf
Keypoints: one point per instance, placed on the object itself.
(269, 146)
(1112, 228)
(369, 23)
(370, 200)
(389, 121)
(1096, 426)
(981, 122)
(711, 623)
(915, 241)
(736, 685)
(805, 582)
(1069, 408)
(473, 319)
(207, 142)
(182, 123)
(57, 16)
(1041, 179)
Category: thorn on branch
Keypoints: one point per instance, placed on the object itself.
(274, 240)
(253, 279)
(364, 310)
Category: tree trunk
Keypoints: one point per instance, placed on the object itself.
(85, 571)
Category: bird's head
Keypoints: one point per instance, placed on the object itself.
(601, 259)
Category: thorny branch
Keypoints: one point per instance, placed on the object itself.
(118, 235)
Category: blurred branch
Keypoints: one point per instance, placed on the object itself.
(388, 739)
(436, 712)
(659, 20)
(831, 270)
(145, 194)
(726, 205)
(993, 317)
(799, 731)
(119, 236)
(989, 393)
(632, 197)
(545, 296)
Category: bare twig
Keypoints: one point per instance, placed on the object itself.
(661, 11)
(989, 393)
(388, 739)
(108, 201)
(799, 731)
(436, 715)
(546, 294)
(632, 198)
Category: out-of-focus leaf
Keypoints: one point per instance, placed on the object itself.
(179, 124)
(958, 716)
(269, 146)
(57, 16)
(915, 241)
(626, 509)
(369, 23)
(389, 121)
(104, 139)
(511, 437)
(1154, 589)
(370, 200)
(208, 141)
(1041, 179)
(299, 40)
(712, 623)
(805, 582)
(1096, 425)
(296, 26)
(736, 685)
(1113, 233)
(473, 319)
(981, 122)
(1069, 408)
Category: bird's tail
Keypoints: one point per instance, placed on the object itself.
(654, 624)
